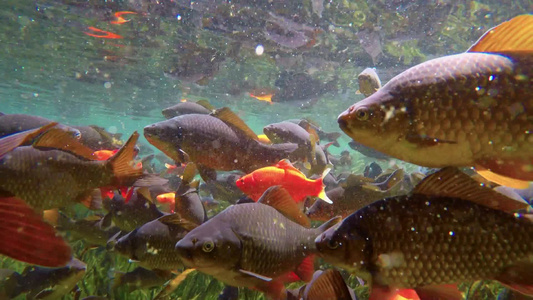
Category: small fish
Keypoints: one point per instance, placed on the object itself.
(288, 132)
(255, 245)
(266, 97)
(133, 214)
(184, 108)
(152, 245)
(224, 188)
(438, 236)
(464, 110)
(326, 285)
(13, 123)
(101, 34)
(44, 283)
(322, 135)
(221, 141)
(97, 138)
(141, 278)
(285, 175)
(91, 230)
(369, 82)
(120, 20)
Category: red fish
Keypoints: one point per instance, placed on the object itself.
(125, 192)
(285, 175)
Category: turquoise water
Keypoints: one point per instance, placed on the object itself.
(52, 67)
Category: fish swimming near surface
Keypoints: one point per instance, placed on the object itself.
(369, 82)
(255, 245)
(447, 231)
(466, 110)
(184, 108)
(13, 123)
(220, 141)
(285, 175)
(43, 283)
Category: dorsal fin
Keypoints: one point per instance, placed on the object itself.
(282, 201)
(206, 104)
(327, 284)
(11, 142)
(229, 117)
(176, 219)
(189, 172)
(59, 139)
(513, 35)
(286, 165)
(451, 182)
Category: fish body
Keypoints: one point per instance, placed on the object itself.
(285, 175)
(464, 110)
(224, 188)
(13, 123)
(97, 138)
(323, 135)
(288, 132)
(422, 240)
(249, 244)
(213, 144)
(141, 278)
(152, 245)
(369, 82)
(91, 230)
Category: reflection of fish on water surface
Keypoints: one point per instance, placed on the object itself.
(464, 110)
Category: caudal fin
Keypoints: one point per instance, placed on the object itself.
(26, 237)
(322, 195)
(124, 170)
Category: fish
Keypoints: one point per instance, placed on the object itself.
(370, 40)
(286, 175)
(184, 108)
(194, 64)
(67, 172)
(465, 110)
(151, 245)
(185, 201)
(255, 245)
(437, 236)
(288, 132)
(92, 230)
(13, 123)
(133, 214)
(97, 138)
(352, 196)
(367, 151)
(300, 86)
(43, 283)
(140, 278)
(369, 82)
(327, 285)
(224, 188)
(322, 135)
(220, 141)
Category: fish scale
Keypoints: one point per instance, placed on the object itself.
(436, 241)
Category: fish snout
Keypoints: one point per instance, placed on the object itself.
(320, 242)
(184, 248)
(150, 130)
(344, 118)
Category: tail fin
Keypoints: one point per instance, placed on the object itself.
(322, 195)
(26, 237)
(123, 168)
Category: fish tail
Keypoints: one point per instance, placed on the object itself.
(322, 194)
(26, 237)
(121, 163)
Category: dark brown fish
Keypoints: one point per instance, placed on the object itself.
(91, 230)
(215, 142)
(254, 244)
(185, 108)
(141, 278)
(97, 138)
(288, 132)
(449, 230)
(57, 170)
(13, 123)
(224, 187)
(152, 245)
(464, 110)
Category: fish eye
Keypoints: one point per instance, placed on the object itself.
(333, 244)
(208, 246)
(362, 113)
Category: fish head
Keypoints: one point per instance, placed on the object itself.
(377, 122)
(167, 137)
(131, 245)
(275, 132)
(342, 246)
(210, 247)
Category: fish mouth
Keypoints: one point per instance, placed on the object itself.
(343, 119)
(184, 251)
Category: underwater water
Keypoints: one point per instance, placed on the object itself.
(118, 64)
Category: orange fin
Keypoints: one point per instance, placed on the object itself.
(519, 278)
(502, 180)
(205, 104)
(286, 165)
(176, 219)
(51, 216)
(445, 292)
(521, 169)
(384, 293)
(11, 142)
(189, 172)
(57, 138)
(122, 162)
(25, 236)
(513, 35)
(174, 284)
(93, 200)
(282, 201)
(306, 269)
(450, 182)
(327, 284)
(229, 117)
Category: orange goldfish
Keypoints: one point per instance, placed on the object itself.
(285, 175)
(120, 20)
(125, 192)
